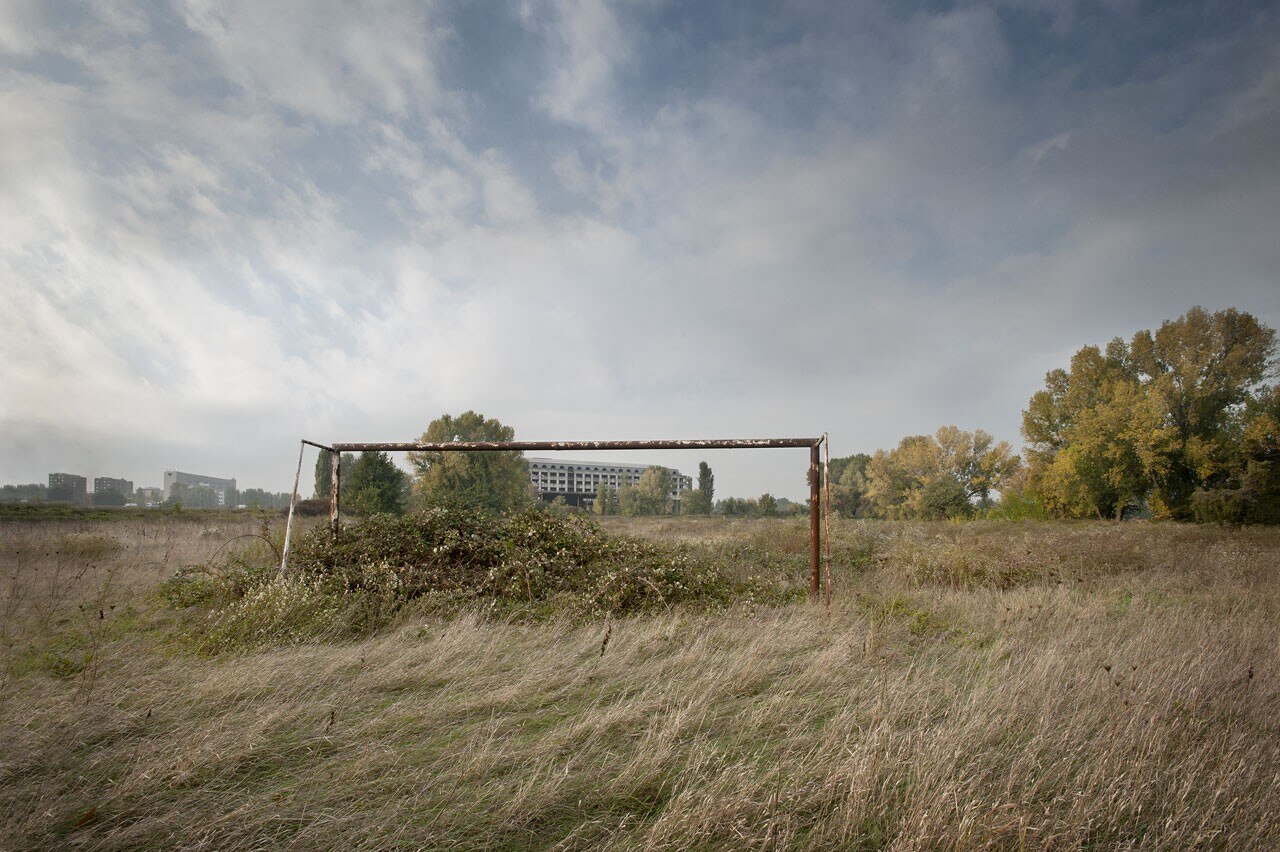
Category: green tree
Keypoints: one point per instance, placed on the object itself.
(976, 461)
(790, 509)
(1252, 493)
(1115, 454)
(941, 498)
(192, 497)
(630, 503)
(896, 480)
(1201, 368)
(652, 492)
(257, 498)
(695, 502)
(375, 485)
(707, 484)
(33, 491)
(108, 498)
(324, 475)
(848, 484)
(1154, 420)
(495, 480)
(737, 507)
(894, 477)
(767, 505)
(606, 502)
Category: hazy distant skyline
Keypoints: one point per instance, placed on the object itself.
(226, 226)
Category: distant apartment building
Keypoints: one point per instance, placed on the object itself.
(68, 488)
(578, 481)
(105, 484)
(108, 491)
(223, 488)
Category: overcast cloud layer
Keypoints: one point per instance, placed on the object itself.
(226, 226)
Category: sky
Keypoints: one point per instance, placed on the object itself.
(228, 226)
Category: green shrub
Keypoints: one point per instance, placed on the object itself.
(213, 585)
(1017, 507)
(1256, 501)
(527, 564)
(312, 507)
(1220, 506)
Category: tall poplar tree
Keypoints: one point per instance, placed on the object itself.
(707, 483)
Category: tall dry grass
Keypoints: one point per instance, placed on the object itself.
(973, 686)
(66, 584)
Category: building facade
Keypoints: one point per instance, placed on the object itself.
(578, 481)
(105, 484)
(68, 488)
(224, 488)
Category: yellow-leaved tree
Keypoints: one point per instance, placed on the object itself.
(948, 474)
(1152, 421)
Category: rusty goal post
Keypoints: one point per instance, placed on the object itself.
(818, 507)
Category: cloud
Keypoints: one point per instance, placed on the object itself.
(332, 62)
(230, 225)
(587, 44)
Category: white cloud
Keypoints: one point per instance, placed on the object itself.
(18, 20)
(586, 46)
(330, 61)
(1036, 152)
(280, 223)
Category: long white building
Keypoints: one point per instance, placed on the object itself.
(578, 481)
(221, 487)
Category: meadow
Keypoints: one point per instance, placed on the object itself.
(977, 685)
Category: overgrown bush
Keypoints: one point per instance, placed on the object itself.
(1256, 501)
(1017, 507)
(312, 507)
(524, 565)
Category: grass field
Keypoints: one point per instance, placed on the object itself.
(1009, 686)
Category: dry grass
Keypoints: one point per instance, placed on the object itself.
(974, 686)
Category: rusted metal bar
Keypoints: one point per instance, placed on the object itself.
(458, 446)
(335, 478)
(318, 446)
(815, 508)
(293, 502)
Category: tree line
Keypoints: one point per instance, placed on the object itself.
(949, 474)
(204, 497)
(1179, 423)
(371, 482)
